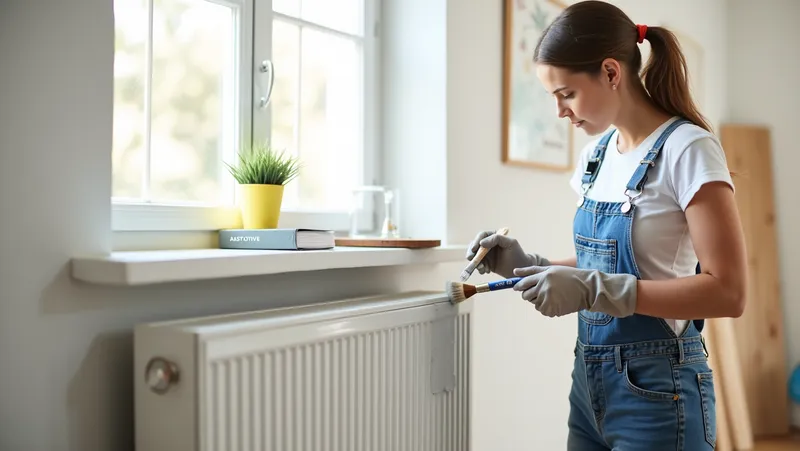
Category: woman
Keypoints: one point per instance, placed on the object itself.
(657, 237)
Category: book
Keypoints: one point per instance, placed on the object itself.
(276, 239)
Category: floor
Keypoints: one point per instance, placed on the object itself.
(789, 444)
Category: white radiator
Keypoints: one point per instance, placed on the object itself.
(388, 373)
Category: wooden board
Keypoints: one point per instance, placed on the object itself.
(731, 387)
(724, 435)
(388, 242)
(759, 331)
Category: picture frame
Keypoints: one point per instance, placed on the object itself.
(532, 133)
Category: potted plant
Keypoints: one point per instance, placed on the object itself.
(261, 174)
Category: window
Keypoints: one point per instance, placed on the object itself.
(194, 80)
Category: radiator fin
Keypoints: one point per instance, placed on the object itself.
(363, 392)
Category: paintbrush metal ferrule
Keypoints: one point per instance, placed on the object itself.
(469, 270)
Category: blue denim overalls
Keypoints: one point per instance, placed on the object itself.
(636, 385)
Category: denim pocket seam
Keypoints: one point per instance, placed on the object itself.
(703, 379)
(603, 241)
(594, 250)
(602, 321)
(644, 393)
(689, 361)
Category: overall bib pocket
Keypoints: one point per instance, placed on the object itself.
(599, 254)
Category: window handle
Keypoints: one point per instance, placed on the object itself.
(266, 69)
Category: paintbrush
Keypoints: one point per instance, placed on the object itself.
(476, 260)
(460, 292)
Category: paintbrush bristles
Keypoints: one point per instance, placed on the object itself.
(460, 292)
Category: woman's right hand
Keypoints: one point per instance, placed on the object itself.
(505, 254)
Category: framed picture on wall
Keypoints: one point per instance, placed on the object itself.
(533, 134)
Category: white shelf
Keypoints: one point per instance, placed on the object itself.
(151, 267)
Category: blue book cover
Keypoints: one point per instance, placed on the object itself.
(276, 239)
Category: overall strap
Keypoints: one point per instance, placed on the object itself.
(640, 174)
(593, 165)
(698, 323)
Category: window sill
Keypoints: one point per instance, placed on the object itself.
(151, 267)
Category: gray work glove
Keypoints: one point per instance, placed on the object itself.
(505, 254)
(561, 290)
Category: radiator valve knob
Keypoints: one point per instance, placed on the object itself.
(161, 374)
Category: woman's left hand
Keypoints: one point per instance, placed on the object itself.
(561, 290)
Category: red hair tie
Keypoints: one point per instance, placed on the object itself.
(642, 32)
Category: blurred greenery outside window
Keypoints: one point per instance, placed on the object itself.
(187, 91)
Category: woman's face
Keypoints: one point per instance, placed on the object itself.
(589, 102)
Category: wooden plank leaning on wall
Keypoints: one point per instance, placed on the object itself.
(759, 332)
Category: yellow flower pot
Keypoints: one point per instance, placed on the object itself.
(260, 205)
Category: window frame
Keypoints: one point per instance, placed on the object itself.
(176, 217)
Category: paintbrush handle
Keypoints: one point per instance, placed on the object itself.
(499, 284)
(478, 257)
(476, 260)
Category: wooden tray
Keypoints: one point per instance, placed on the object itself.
(387, 242)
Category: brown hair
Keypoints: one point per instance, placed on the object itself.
(588, 32)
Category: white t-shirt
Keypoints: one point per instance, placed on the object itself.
(690, 157)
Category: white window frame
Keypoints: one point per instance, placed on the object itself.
(149, 217)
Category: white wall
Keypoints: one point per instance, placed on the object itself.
(66, 353)
(763, 69)
(66, 348)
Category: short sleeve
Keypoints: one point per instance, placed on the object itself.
(703, 161)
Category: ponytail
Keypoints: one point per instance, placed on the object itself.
(587, 32)
(666, 77)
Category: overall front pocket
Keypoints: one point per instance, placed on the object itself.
(650, 378)
(642, 404)
(599, 254)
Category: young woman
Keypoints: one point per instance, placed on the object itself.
(657, 237)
